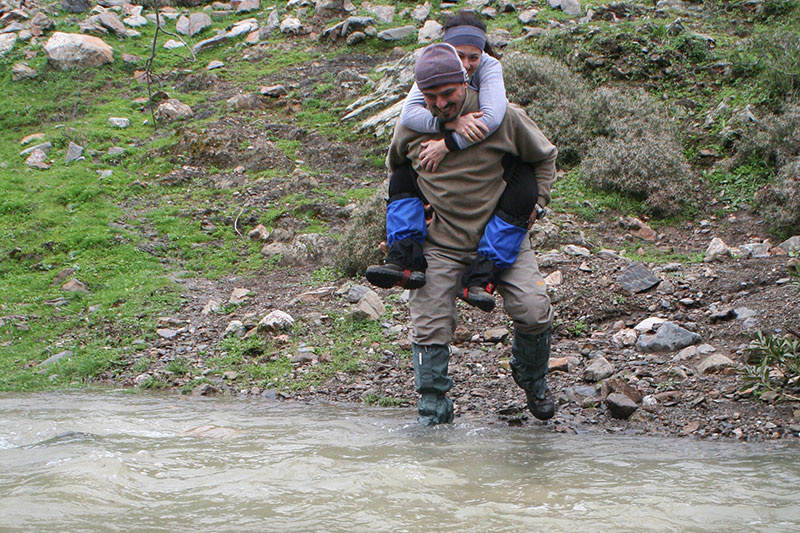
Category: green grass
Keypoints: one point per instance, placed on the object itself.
(571, 194)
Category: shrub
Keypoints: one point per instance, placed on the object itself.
(772, 59)
(773, 365)
(775, 139)
(367, 228)
(780, 201)
(554, 97)
(636, 152)
(621, 138)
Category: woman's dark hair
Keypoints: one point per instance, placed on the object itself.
(467, 17)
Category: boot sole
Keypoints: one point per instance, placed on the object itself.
(387, 278)
(485, 303)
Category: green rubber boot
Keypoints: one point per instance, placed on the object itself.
(432, 382)
(529, 359)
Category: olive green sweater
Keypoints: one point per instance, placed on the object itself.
(466, 187)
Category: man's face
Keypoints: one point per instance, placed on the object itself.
(445, 101)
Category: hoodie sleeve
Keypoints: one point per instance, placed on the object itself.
(415, 116)
(488, 81)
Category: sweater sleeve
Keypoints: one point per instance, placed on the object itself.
(488, 81)
(533, 147)
(415, 116)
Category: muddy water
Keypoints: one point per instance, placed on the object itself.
(111, 461)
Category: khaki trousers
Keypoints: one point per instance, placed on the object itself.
(433, 307)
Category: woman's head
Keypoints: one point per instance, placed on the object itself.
(467, 33)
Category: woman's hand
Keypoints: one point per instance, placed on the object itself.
(432, 153)
(469, 127)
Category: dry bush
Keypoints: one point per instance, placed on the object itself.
(623, 140)
(774, 139)
(636, 151)
(553, 97)
(364, 232)
(780, 201)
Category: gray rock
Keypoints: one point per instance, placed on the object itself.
(211, 42)
(215, 65)
(235, 328)
(669, 338)
(495, 334)
(71, 50)
(355, 38)
(791, 245)
(7, 41)
(714, 363)
(239, 295)
(576, 251)
(243, 27)
(74, 152)
(421, 13)
(637, 278)
(599, 369)
(212, 306)
(110, 21)
(275, 322)
(528, 16)
(167, 333)
(119, 122)
(172, 44)
(37, 159)
(57, 357)
(430, 31)
(371, 305)
(620, 405)
(396, 34)
(555, 4)
(571, 7)
(384, 14)
(135, 21)
(499, 37)
(355, 293)
(743, 313)
(76, 6)
(173, 109)
(274, 91)
(204, 389)
(291, 26)
(21, 71)
(246, 6)
(757, 250)
(717, 250)
(197, 22)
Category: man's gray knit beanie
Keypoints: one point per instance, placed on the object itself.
(439, 65)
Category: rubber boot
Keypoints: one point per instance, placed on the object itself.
(405, 264)
(529, 359)
(432, 382)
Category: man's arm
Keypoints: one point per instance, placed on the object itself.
(533, 147)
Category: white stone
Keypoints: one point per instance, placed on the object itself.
(624, 337)
(649, 324)
(275, 321)
(238, 296)
(7, 41)
(717, 250)
(172, 43)
(430, 31)
(291, 25)
(119, 122)
(72, 50)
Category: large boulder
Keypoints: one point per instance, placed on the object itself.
(76, 6)
(72, 50)
(7, 41)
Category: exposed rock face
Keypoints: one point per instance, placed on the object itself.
(71, 50)
(76, 6)
(7, 41)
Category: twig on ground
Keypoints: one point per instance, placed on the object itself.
(236, 223)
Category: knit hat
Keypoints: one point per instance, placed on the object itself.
(439, 65)
(466, 34)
